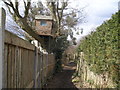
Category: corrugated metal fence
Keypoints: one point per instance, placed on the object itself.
(24, 65)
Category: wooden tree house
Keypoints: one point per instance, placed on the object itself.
(44, 25)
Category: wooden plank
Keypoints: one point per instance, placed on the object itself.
(20, 67)
(41, 56)
(14, 70)
(36, 65)
(10, 38)
(27, 68)
(9, 66)
(39, 60)
(5, 65)
(30, 85)
(17, 66)
(37, 75)
(24, 67)
(42, 72)
(47, 57)
(43, 69)
(12, 65)
(31, 64)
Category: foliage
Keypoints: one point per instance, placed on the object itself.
(61, 43)
(101, 49)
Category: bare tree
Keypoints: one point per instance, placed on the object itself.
(65, 22)
(22, 21)
(57, 7)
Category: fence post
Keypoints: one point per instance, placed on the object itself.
(36, 66)
(2, 28)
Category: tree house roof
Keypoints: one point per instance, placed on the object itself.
(43, 17)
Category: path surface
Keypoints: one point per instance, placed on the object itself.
(63, 79)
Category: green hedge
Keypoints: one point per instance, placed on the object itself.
(101, 49)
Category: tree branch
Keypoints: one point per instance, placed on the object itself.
(21, 21)
(9, 10)
(30, 31)
(27, 7)
(10, 4)
(16, 4)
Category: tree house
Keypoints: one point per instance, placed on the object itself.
(44, 25)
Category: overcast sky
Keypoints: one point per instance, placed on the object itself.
(97, 11)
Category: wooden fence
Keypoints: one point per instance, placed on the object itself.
(22, 65)
(25, 66)
(89, 79)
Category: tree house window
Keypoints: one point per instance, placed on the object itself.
(43, 23)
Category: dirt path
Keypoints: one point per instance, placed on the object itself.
(63, 79)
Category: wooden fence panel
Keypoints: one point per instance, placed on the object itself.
(20, 64)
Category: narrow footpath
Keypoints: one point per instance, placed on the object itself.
(63, 79)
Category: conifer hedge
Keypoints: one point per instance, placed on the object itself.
(101, 49)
